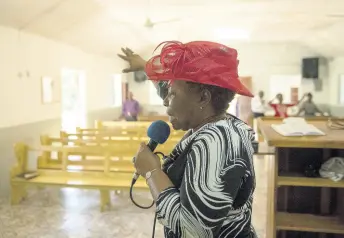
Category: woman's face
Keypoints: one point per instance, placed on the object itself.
(280, 98)
(183, 105)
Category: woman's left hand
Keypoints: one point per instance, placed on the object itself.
(146, 160)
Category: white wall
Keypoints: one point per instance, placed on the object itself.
(20, 98)
(336, 69)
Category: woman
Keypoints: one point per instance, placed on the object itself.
(205, 186)
(280, 108)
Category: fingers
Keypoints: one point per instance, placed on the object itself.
(143, 147)
(123, 57)
(129, 50)
(124, 51)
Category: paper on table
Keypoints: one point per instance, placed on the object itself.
(297, 128)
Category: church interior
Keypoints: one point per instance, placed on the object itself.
(66, 147)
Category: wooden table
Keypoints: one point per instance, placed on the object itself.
(300, 206)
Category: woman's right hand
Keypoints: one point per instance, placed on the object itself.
(136, 63)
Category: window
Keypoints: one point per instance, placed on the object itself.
(117, 90)
(341, 89)
(283, 84)
(154, 98)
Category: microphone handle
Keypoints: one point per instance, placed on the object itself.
(152, 146)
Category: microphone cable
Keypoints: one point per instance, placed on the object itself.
(138, 205)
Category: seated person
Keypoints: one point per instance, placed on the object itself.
(130, 108)
(308, 108)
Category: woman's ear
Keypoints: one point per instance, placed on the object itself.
(205, 98)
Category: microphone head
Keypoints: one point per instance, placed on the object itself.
(159, 131)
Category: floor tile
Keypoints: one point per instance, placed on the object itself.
(74, 213)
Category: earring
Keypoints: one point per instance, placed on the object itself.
(201, 108)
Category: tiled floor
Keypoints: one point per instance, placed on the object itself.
(74, 213)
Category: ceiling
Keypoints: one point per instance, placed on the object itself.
(102, 26)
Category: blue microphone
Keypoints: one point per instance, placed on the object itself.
(158, 132)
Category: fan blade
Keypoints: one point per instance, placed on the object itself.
(167, 21)
(335, 15)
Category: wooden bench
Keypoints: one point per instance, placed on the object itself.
(125, 128)
(124, 142)
(123, 132)
(121, 124)
(124, 124)
(104, 179)
(153, 118)
(116, 131)
(120, 134)
(89, 157)
(143, 120)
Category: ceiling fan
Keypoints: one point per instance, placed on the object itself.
(150, 24)
(335, 15)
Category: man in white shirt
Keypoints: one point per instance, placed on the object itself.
(258, 105)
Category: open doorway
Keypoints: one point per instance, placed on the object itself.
(73, 99)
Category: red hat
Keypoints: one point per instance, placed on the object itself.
(201, 62)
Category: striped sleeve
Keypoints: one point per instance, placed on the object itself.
(213, 175)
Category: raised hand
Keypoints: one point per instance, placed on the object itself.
(136, 63)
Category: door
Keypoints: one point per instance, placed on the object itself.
(73, 99)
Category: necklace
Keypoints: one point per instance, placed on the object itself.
(208, 120)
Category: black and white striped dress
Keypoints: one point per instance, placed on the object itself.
(212, 170)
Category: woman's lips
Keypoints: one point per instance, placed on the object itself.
(171, 118)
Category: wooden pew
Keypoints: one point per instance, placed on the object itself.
(47, 160)
(114, 131)
(88, 158)
(103, 180)
(115, 138)
(122, 124)
(153, 118)
(129, 132)
(141, 120)
(115, 135)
